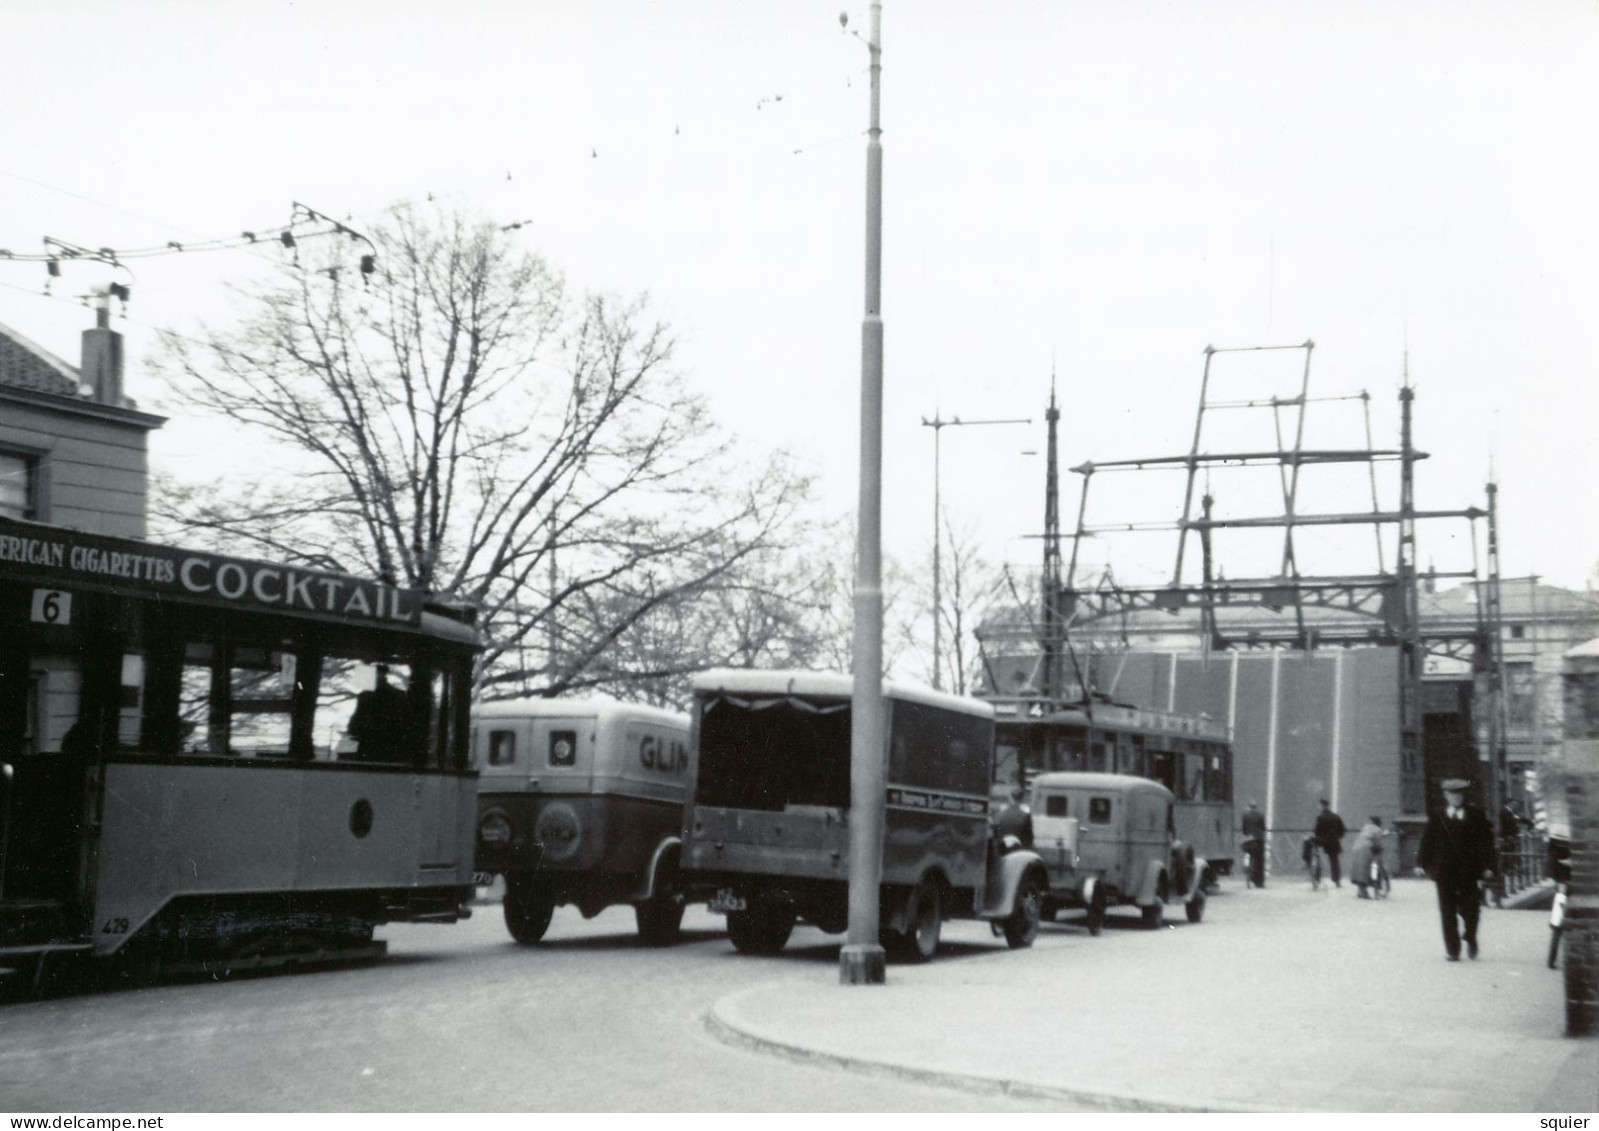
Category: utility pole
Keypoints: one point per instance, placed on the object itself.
(861, 961)
(938, 424)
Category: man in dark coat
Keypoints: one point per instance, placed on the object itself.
(1330, 835)
(1253, 824)
(1457, 851)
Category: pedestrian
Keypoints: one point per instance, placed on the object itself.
(1253, 823)
(1367, 848)
(1457, 851)
(1330, 836)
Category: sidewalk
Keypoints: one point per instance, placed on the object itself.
(1281, 1000)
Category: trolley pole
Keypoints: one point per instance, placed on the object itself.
(938, 424)
(861, 962)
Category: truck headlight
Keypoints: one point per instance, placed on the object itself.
(494, 828)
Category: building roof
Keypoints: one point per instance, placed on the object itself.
(25, 365)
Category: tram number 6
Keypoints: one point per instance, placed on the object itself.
(52, 606)
(115, 927)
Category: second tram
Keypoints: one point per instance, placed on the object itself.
(1189, 755)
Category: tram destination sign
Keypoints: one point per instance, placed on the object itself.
(67, 558)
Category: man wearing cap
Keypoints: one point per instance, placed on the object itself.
(1457, 851)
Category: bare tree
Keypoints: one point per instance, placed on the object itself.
(466, 426)
(970, 586)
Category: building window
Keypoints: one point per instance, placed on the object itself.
(1518, 631)
(18, 489)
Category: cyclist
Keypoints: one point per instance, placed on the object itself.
(1366, 857)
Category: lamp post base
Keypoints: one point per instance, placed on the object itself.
(861, 966)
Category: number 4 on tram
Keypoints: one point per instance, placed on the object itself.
(209, 762)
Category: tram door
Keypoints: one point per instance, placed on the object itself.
(50, 734)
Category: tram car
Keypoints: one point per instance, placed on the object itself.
(208, 762)
(1191, 755)
(580, 801)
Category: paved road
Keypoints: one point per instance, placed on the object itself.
(458, 1019)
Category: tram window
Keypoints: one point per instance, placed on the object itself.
(1096, 757)
(130, 708)
(376, 707)
(1068, 752)
(1163, 768)
(1133, 758)
(1007, 760)
(502, 747)
(1194, 775)
(1099, 810)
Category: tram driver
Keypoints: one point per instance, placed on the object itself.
(379, 722)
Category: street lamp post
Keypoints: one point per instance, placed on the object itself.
(938, 424)
(861, 960)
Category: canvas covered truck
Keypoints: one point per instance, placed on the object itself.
(767, 821)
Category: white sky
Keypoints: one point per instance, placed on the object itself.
(1105, 187)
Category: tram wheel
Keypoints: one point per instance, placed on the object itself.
(1021, 926)
(528, 909)
(761, 929)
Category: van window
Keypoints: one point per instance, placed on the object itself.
(1099, 810)
(936, 748)
(563, 747)
(1055, 805)
(502, 747)
(770, 753)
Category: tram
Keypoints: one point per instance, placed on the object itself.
(208, 762)
(1190, 755)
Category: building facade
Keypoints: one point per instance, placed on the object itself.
(74, 450)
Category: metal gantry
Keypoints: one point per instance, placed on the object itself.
(1381, 606)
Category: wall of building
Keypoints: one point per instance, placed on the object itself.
(91, 460)
(1306, 725)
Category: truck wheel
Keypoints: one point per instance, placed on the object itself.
(924, 923)
(1196, 906)
(1155, 915)
(528, 909)
(1021, 926)
(762, 929)
(660, 918)
(1096, 911)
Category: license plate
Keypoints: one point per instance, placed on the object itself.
(726, 900)
(482, 879)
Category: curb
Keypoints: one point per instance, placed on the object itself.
(729, 1033)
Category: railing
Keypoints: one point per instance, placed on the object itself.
(1523, 861)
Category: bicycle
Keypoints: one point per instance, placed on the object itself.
(1251, 849)
(1310, 853)
(1377, 879)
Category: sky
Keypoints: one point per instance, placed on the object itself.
(1089, 194)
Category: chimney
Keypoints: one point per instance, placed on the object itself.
(102, 357)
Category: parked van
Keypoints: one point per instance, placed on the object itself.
(581, 801)
(1109, 840)
(767, 824)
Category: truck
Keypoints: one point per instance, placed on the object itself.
(766, 824)
(580, 801)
